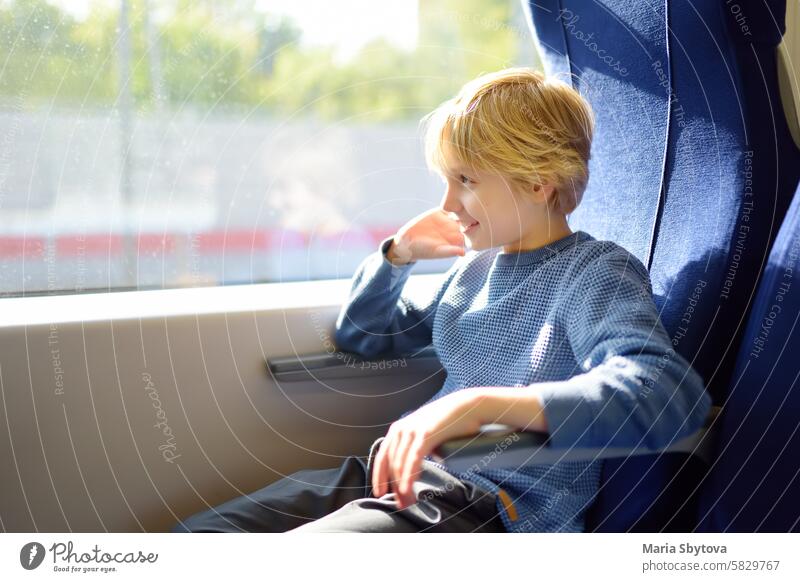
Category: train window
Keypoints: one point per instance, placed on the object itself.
(171, 143)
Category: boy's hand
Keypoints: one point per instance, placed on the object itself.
(431, 235)
(410, 439)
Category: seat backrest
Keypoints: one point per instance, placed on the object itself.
(692, 170)
(754, 482)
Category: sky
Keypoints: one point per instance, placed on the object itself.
(344, 24)
(349, 24)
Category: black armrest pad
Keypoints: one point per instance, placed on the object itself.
(502, 447)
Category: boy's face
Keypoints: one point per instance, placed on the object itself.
(492, 211)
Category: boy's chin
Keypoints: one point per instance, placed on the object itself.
(477, 245)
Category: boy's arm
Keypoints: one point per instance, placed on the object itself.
(635, 390)
(380, 316)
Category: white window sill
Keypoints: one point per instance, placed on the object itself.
(54, 309)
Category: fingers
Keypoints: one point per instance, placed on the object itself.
(382, 475)
(379, 470)
(394, 442)
(458, 240)
(397, 467)
(444, 251)
(410, 471)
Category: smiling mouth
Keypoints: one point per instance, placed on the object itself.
(466, 229)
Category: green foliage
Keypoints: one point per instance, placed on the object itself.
(246, 60)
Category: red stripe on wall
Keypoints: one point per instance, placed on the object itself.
(93, 245)
(16, 247)
(212, 242)
(156, 243)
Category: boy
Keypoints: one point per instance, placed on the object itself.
(537, 327)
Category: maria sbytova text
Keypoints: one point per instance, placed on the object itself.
(694, 550)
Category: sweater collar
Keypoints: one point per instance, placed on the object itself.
(534, 256)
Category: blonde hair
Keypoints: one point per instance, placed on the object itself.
(520, 124)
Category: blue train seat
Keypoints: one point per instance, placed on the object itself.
(754, 482)
(693, 169)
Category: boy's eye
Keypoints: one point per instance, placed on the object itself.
(464, 179)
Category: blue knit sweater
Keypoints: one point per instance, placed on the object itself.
(577, 318)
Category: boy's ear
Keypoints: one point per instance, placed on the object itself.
(543, 193)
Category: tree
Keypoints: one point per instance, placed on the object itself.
(227, 55)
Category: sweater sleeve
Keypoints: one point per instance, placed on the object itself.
(381, 316)
(634, 389)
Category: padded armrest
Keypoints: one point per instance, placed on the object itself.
(501, 447)
(497, 445)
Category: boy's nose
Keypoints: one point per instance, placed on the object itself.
(450, 202)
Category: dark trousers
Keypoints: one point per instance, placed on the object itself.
(341, 500)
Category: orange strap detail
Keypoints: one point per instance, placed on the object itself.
(509, 505)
